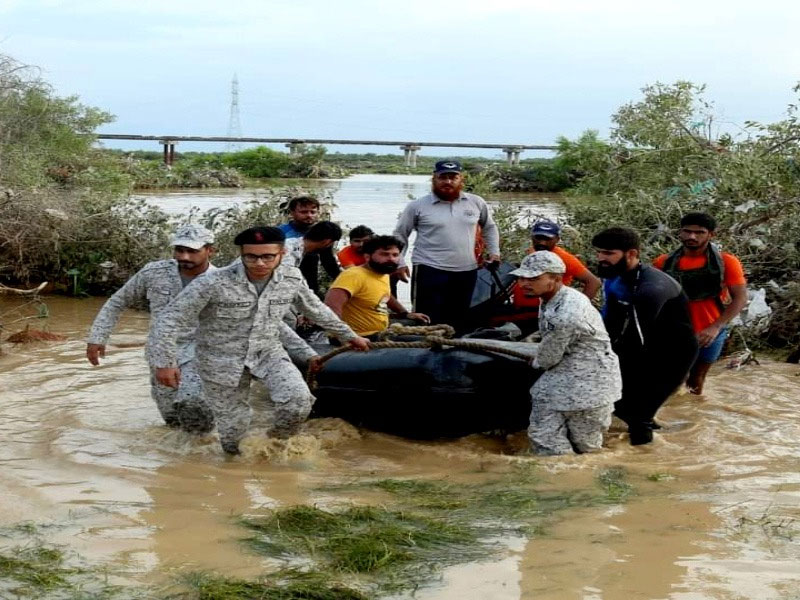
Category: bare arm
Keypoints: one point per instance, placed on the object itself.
(591, 283)
(335, 299)
(738, 302)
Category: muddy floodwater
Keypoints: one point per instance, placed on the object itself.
(715, 514)
(85, 461)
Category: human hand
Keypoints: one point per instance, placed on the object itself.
(169, 376)
(315, 364)
(361, 344)
(94, 352)
(418, 317)
(403, 274)
(708, 335)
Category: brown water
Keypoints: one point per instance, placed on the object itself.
(84, 455)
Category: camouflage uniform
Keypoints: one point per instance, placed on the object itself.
(574, 397)
(154, 286)
(295, 249)
(241, 336)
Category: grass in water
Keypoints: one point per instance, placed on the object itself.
(363, 539)
(282, 585)
(35, 568)
(431, 524)
(613, 482)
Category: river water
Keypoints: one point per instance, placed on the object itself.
(83, 456)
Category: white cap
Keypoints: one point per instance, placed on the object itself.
(192, 236)
(538, 263)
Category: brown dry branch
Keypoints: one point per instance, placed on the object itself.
(29, 335)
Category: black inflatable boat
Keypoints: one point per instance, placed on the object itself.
(427, 393)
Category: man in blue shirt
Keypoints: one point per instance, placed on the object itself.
(646, 314)
(304, 213)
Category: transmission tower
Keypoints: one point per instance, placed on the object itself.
(234, 126)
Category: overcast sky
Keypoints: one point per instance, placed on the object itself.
(521, 71)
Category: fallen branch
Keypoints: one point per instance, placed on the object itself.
(9, 291)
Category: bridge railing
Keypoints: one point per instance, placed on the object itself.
(409, 149)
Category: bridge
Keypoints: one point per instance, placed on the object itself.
(409, 149)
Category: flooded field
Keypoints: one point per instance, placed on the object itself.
(710, 510)
(85, 462)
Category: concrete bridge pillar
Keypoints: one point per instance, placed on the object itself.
(169, 151)
(512, 155)
(410, 154)
(295, 148)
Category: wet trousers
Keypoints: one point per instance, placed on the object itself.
(183, 407)
(289, 395)
(444, 296)
(646, 387)
(566, 431)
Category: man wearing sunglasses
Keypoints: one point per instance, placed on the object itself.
(241, 336)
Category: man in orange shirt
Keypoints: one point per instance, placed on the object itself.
(716, 286)
(545, 235)
(353, 255)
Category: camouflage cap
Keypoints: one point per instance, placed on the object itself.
(539, 263)
(192, 236)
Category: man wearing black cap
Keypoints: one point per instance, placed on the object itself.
(445, 266)
(241, 336)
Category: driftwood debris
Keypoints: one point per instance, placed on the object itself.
(28, 335)
(9, 291)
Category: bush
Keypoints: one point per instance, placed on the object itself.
(259, 162)
(662, 161)
(265, 208)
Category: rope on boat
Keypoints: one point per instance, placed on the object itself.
(443, 330)
(433, 341)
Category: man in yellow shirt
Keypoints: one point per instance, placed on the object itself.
(361, 295)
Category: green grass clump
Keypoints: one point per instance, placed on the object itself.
(363, 539)
(660, 477)
(35, 568)
(283, 585)
(612, 480)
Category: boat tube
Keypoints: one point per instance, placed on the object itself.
(427, 393)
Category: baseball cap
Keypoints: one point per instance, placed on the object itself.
(546, 228)
(192, 236)
(539, 263)
(447, 166)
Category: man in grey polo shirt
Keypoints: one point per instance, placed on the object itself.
(445, 265)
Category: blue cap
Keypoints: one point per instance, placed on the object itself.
(547, 228)
(447, 166)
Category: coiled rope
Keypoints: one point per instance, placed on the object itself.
(437, 337)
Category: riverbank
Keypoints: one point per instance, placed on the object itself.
(257, 166)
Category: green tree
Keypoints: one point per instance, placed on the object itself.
(666, 158)
(44, 139)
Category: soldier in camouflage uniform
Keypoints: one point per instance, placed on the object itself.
(240, 310)
(574, 397)
(155, 285)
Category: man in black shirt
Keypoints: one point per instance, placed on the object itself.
(647, 317)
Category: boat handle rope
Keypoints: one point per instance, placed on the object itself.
(434, 342)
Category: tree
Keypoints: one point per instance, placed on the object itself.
(666, 158)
